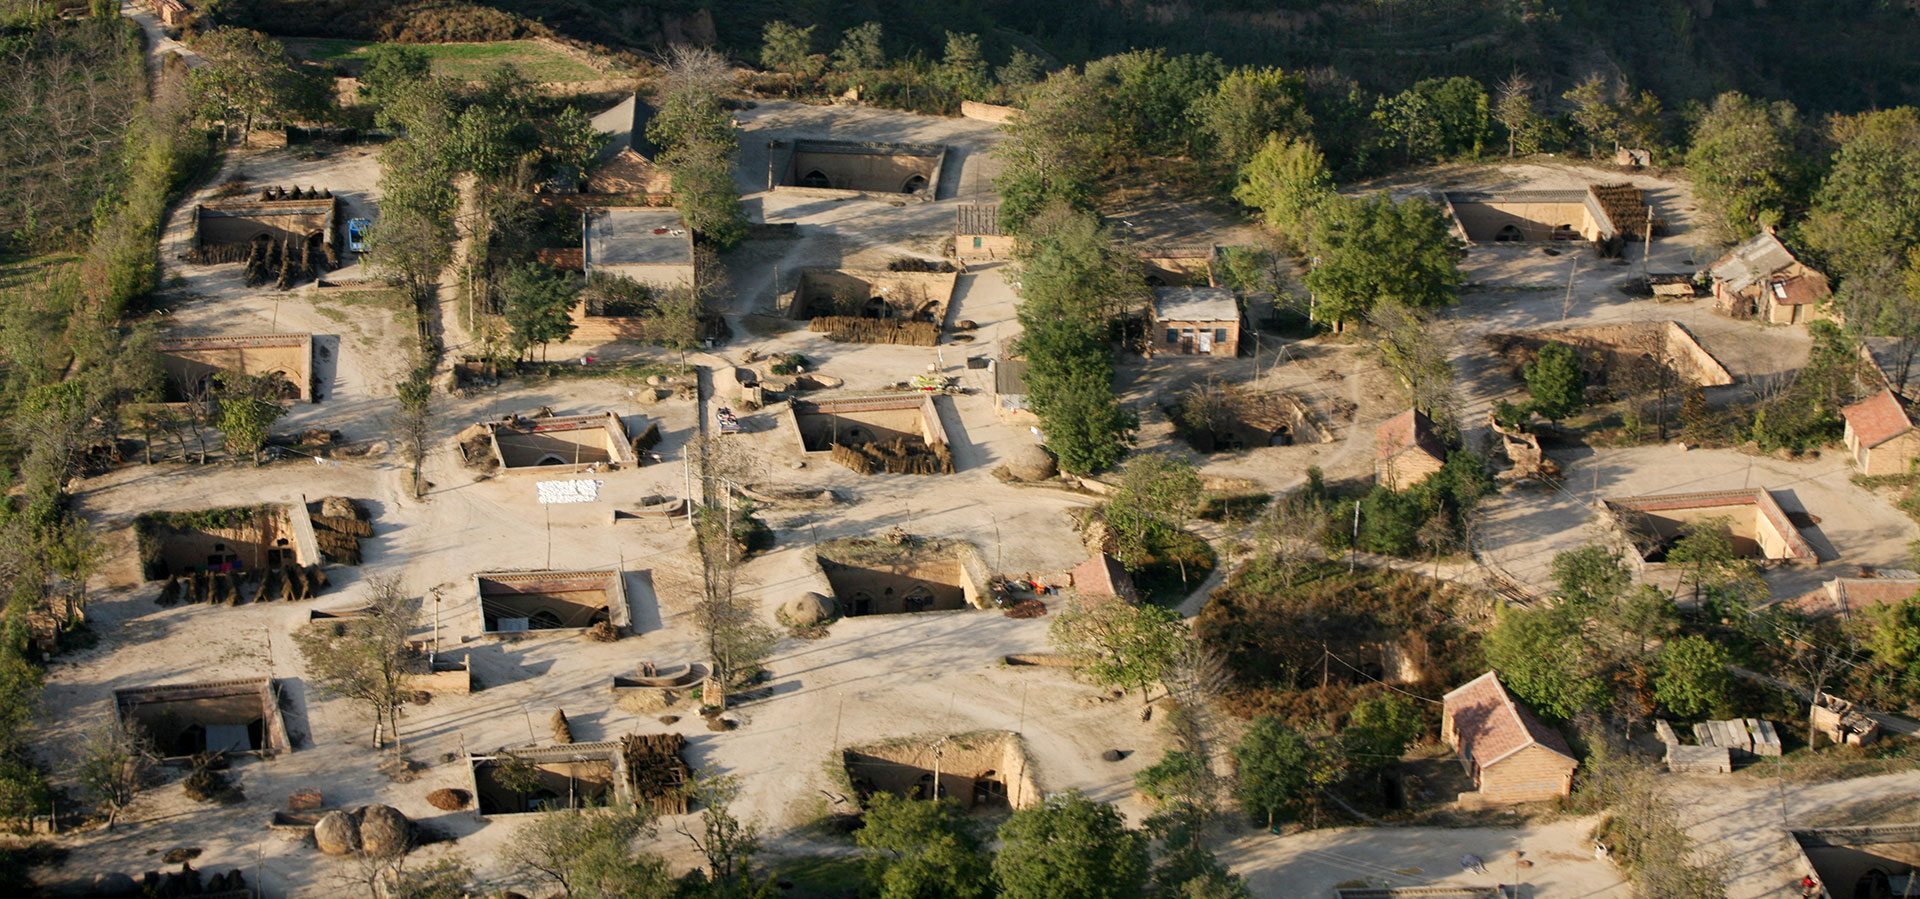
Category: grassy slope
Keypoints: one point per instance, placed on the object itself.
(468, 62)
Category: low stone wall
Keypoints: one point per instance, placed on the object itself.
(988, 112)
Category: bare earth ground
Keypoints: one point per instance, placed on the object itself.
(870, 678)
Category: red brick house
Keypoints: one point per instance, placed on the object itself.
(1880, 437)
(1406, 450)
(1510, 755)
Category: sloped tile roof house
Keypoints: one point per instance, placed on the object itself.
(1880, 436)
(1511, 756)
(1762, 277)
(1406, 451)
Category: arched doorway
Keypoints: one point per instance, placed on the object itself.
(1509, 233)
(877, 307)
(815, 178)
(543, 620)
(914, 184)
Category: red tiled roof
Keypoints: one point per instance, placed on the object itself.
(1877, 419)
(1490, 725)
(1844, 596)
(1807, 288)
(1408, 430)
(566, 259)
(1103, 575)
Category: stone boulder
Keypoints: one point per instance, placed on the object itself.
(807, 609)
(337, 833)
(384, 832)
(1032, 462)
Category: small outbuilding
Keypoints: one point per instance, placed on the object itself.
(625, 165)
(1196, 321)
(1010, 387)
(1103, 575)
(1407, 451)
(1510, 755)
(977, 236)
(1763, 278)
(1880, 437)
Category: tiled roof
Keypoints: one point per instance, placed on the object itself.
(1752, 262)
(1103, 576)
(1846, 595)
(1490, 725)
(1877, 419)
(625, 127)
(1408, 430)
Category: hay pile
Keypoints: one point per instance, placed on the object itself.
(449, 800)
(848, 329)
(657, 772)
(338, 529)
(902, 455)
(288, 583)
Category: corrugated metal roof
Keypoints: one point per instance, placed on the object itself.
(976, 218)
(1751, 262)
(1195, 304)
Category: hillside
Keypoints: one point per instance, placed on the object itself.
(1681, 49)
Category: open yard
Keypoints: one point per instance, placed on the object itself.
(538, 60)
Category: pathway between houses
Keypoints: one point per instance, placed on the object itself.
(158, 43)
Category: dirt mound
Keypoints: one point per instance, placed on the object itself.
(448, 800)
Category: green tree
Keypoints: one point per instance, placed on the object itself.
(115, 762)
(922, 850)
(491, 139)
(1892, 637)
(963, 67)
(789, 49)
(1591, 576)
(249, 76)
(1693, 681)
(1251, 106)
(729, 844)
(1543, 658)
(1054, 151)
(1287, 180)
(1514, 108)
(589, 854)
(1151, 95)
(1157, 493)
(1439, 118)
(387, 68)
(1379, 730)
(443, 879)
(539, 300)
(708, 197)
(1377, 251)
(1278, 771)
(1747, 164)
(1119, 644)
(1022, 69)
(1861, 212)
(1070, 846)
(366, 659)
(861, 49)
(1556, 383)
(248, 408)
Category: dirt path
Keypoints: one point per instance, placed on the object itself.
(158, 43)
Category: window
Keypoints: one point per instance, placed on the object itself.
(1173, 336)
(1219, 335)
(976, 243)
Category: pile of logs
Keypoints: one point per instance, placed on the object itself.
(338, 529)
(657, 772)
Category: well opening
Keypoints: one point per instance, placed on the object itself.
(1754, 523)
(561, 443)
(983, 770)
(222, 716)
(514, 602)
(557, 785)
(857, 166)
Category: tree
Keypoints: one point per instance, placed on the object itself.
(589, 854)
(1278, 772)
(248, 408)
(1376, 251)
(1542, 658)
(963, 67)
(387, 68)
(415, 418)
(115, 763)
(1892, 637)
(728, 844)
(789, 49)
(692, 108)
(1070, 845)
(366, 659)
(1250, 107)
(539, 302)
(1693, 680)
(1860, 212)
(1022, 69)
(1746, 163)
(705, 192)
(1556, 383)
(736, 639)
(1151, 95)
(1591, 576)
(1287, 180)
(1158, 492)
(1594, 111)
(922, 850)
(248, 76)
(1514, 109)
(569, 139)
(1118, 643)
(1054, 151)
(1707, 561)
(443, 879)
(860, 50)
(1439, 118)
(1379, 730)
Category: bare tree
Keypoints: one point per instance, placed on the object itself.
(115, 763)
(367, 659)
(728, 843)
